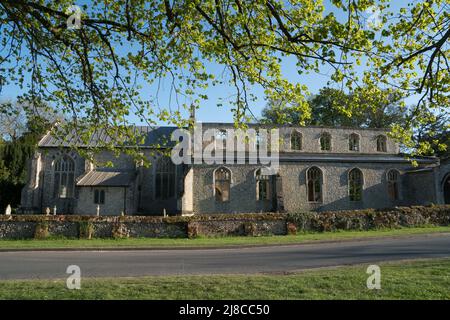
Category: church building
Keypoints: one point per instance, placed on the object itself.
(320, 169)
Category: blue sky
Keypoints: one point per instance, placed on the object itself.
(209, 112)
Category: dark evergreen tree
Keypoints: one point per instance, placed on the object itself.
(14, 154)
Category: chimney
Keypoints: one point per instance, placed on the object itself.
(88, 166)
(192, 116)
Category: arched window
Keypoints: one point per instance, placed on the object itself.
(393, 178)
(314, 184)
(355, 184)
(263, 190)
(381, 143)
(296, 140)
(164, 179)
(222, 184)
(64, 177)
(353, 142)
(325, 141)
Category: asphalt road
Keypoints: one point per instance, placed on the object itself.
(53, 264)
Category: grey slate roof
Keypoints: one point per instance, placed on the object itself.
(345, 157)
(152, 136)
(342, 157)
(295, 126)
(107, 179)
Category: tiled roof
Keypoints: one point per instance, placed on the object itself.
(107, 179)
(152, 136)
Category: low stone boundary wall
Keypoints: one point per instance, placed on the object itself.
(255, 224)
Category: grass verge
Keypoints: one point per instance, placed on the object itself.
(213, 242)
(420, 279)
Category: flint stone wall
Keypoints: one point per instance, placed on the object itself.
(255, 224)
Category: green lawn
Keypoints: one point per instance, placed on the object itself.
(214, 242)
(422, 279)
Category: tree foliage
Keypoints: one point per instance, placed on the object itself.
(433, 137)
(17, 149)
(96, 73)
(333, 107)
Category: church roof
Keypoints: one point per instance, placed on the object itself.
(107, 179)
(360, 157)
(152, 136)
(337, 157)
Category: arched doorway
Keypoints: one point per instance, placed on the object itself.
(446, 188)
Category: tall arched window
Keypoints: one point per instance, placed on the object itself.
(355, 184)
(353, 142)
(164, 179)
(296, 140)
(263, 190)
(222, 184)
(64, 177)
(325, 141)
(381, 143)
(393, 178)
(314, 184)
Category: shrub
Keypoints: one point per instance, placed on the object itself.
(302, 220)
(41, 231)
(250, 229)
(291, 228)
(86, 230)
(192, 230)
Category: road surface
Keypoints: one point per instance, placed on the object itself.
(289, 258)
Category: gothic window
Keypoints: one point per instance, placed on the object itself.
(325, 141)
(393, 177)
(64, 177)
(381, 143)
(165, 179)
(353, 142)
(314, 184)
(355, 184)
(263, 190)
(296, 141)
(222, 184)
